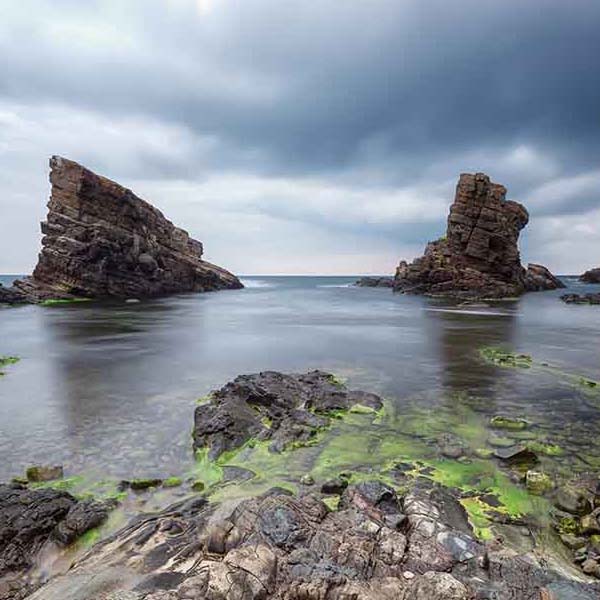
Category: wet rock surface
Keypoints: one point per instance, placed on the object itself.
(101, 240)
(538, 278)
(376, 545)
(581, 298)
(30, 519)
(285, 409)
(479, 256)
(591, 276)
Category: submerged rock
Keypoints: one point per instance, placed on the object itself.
(44, 473)
(285, 409)
(100, 240)
(591, 276)
(581, 298)
(479, 256)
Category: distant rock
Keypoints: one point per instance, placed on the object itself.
(479, 256)
(591, 276)
(101, 240)
(538, 278)
(386, 282)
(581, 298)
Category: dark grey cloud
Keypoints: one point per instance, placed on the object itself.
(360, 99)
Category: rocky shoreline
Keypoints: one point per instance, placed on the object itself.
(394, 532)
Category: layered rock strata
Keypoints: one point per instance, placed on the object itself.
(101, 240)
(479, 256)
(538, 278)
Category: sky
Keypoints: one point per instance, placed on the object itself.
(296, 137)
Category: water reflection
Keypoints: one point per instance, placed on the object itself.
(113, 386)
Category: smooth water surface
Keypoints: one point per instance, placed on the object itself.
(111, 387)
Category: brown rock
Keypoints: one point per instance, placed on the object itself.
(538, 278)
(101, 240)
(479, 256)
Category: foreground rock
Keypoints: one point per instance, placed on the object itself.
(30, 521)
(286, 409)
(100, 240)
(538, 278)
(386, 282)
(479, 256)
(591, 276)
(375, 546)
(581, 298)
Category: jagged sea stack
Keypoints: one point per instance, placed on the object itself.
(479, 256)
(101, 240)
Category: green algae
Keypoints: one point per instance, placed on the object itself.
(63, 301)
(171, 482)
(546, 448)
(5, 361)
(331, 502)
(505, 358)
(510, 423)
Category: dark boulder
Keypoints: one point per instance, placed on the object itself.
(386, 282)
(30, 519)
(285, 409)
(591, 276)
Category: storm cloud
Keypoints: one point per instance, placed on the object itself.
(307, 137)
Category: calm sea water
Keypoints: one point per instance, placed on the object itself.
(111, 387)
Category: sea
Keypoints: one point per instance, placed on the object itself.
(111, 387)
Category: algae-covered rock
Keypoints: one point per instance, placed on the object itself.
(538, 483)
(7, 360)
(287, 410)
(171, 482)
(511, 423)
(590, 524)
(144, 484)
(39, 473)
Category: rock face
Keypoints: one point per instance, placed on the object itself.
(375, 546)
(538, 278)
(591, 276)
(479, 256)
(101, 240)
(386, 282)
(285, 409)
(29, 519)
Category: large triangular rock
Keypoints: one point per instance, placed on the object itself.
(479, 256)
(101, 240)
